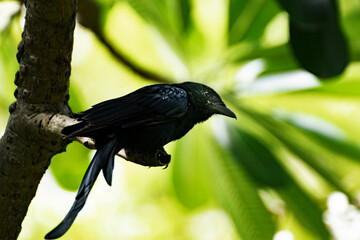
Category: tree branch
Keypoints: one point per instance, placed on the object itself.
(44, 56)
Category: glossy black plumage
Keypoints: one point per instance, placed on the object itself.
(143, 121)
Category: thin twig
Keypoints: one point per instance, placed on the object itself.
(89, 15)
(134, 67)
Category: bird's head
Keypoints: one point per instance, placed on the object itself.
(206, 100)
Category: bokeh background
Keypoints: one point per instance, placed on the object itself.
(287, 168)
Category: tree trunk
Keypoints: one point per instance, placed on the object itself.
(27, 146)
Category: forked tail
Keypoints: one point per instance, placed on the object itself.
(103, 159)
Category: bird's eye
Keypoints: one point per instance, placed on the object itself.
(207, 94)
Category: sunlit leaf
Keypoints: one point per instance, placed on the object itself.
(170, 18)
(75, 98)
(237, 192)
(150, 11)
(300, 146)
(190, 161)
(235, 9)
(248, 19)
(325, 133)
(304, 208)
(278, 59)
(280, 62)
(343, 87)
(266, 169)
(159, 13)
(185, 8)
(350, 25)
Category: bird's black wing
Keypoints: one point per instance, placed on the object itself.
(150, 105)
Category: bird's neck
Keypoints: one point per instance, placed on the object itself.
(200, 114)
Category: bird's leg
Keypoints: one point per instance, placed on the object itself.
(152, 157)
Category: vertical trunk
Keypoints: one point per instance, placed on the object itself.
(26, 148)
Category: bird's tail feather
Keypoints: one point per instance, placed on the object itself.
(108, 169)
(71, 131)
(104, 158)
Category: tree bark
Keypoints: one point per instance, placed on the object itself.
(29, 141)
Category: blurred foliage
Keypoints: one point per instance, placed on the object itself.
(191, 185)
(295, 140)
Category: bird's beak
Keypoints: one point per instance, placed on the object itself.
(224, 110)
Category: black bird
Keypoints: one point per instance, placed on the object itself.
(143, 121)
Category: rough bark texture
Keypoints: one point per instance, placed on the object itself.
(26, 148)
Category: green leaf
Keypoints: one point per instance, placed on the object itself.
(164, 15)
(151, 12)
(280, 61)
(237, 192)
(316, 37)
(307, 11)
(69, 167)
(190, 178)
(235, 9)
(348, 88)
(297, 200)
(325, 133)
(185, 8)
(304, 209)
(170, 18)
(299, 145)
(256, 158)
(248, 19)
(322, 50)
